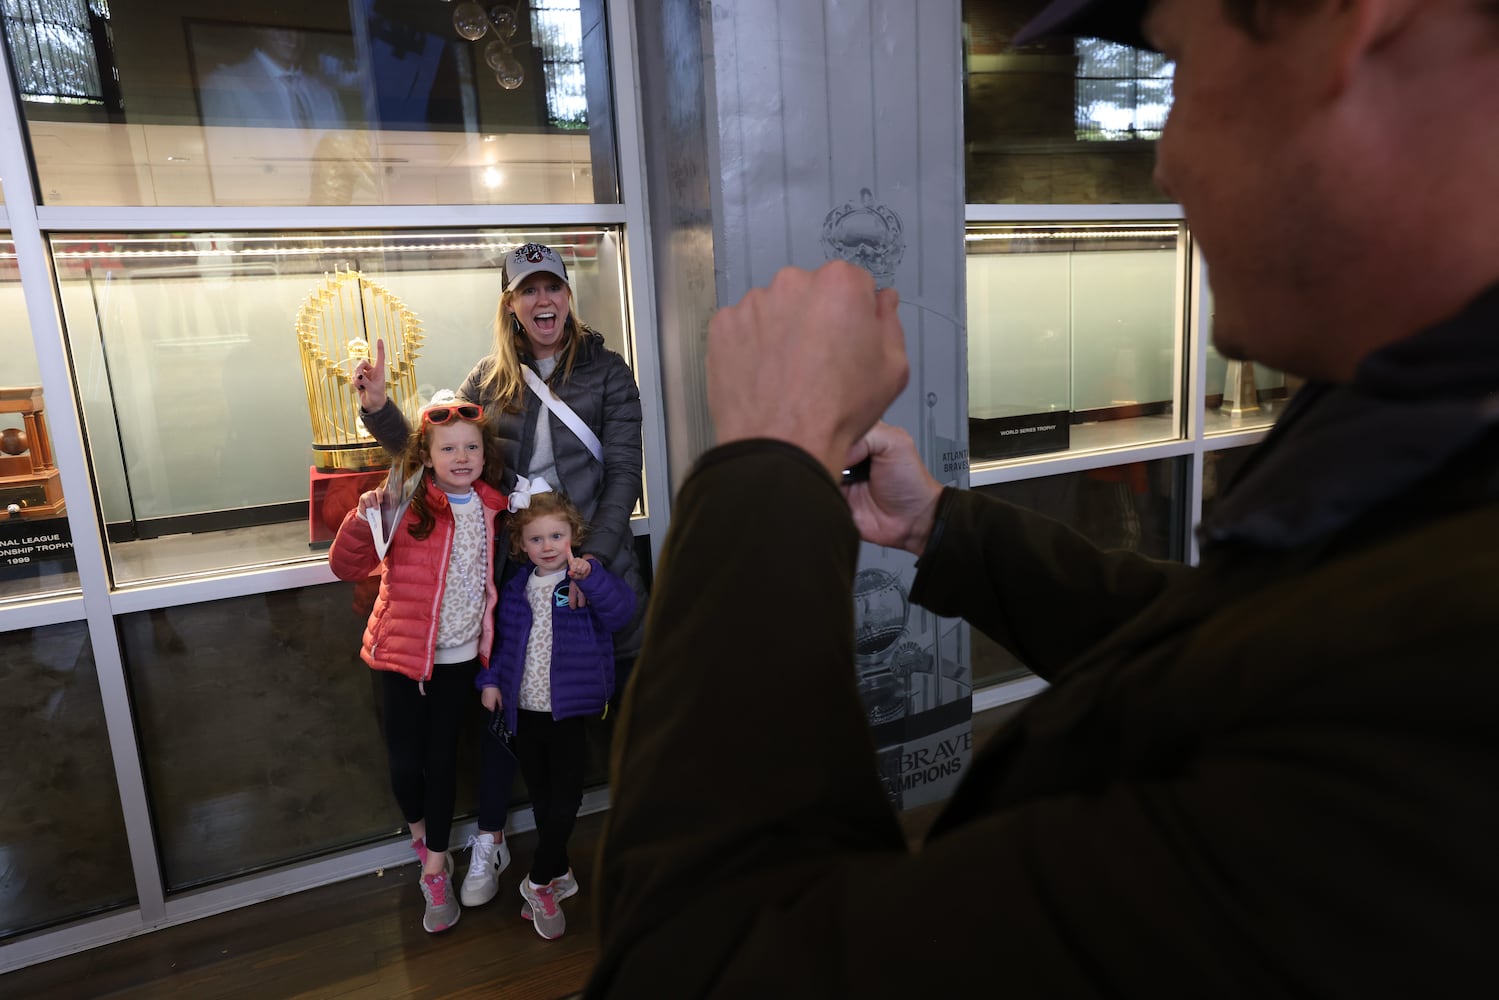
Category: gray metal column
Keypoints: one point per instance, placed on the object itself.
(807, 130)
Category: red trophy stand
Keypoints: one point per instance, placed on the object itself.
(332, 495)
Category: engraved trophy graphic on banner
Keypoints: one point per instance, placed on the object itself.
(336, 324)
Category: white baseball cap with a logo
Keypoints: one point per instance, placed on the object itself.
(527, 259)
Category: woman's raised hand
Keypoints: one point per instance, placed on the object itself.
(369, 380)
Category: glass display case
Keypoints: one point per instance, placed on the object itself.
(36, 548)
(384, 102)
(192, 381)
(1240, 395)
(1074, 337)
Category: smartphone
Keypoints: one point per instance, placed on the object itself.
(500, 731)
(857, 473)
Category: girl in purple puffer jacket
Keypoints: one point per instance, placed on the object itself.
(552, 668)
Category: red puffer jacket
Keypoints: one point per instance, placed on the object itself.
(402, 630)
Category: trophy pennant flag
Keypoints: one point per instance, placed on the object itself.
(395, 497)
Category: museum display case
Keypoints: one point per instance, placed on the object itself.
(204, 412)
(1241, 396)
(36, 551)
(1075, 336)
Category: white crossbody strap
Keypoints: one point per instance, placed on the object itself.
(564, 413)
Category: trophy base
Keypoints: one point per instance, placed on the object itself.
(350, 458)
(31, 496)
(331, 495)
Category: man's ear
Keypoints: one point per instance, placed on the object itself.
(1358, 29)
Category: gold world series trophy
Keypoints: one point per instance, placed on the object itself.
(336, 324)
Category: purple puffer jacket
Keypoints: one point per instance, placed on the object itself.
(582, 643)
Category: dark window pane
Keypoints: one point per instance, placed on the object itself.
(62, 834)
(259, 729)
(1138, 507)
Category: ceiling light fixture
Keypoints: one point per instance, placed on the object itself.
(473, 22)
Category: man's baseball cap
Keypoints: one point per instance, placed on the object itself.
(1116, 20)
(528, 258)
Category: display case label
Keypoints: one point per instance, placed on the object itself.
(29, 546)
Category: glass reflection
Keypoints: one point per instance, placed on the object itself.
(1060, 121)
(63, 852)
(372, 102)
(1137, 507)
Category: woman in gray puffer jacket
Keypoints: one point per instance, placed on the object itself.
(537, 328)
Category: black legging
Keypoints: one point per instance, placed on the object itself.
(552, 753)
(421, 740)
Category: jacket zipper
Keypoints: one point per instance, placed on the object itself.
(442, 582)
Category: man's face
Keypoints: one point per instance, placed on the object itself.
(1238, 153)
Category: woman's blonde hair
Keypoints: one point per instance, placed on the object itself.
(504, 383)
(542, 505)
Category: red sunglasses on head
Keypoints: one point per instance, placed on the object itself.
(446, 414)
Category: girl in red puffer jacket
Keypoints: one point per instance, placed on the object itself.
(432, 626)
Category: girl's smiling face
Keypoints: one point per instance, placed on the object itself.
(455, 454)
(548, 540)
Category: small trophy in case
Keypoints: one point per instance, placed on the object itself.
(30, 487)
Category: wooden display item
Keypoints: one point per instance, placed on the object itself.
(30, 486)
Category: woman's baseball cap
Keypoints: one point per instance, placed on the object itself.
(1116, 20)
(528, 258)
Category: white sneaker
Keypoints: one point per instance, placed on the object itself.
(486, 860)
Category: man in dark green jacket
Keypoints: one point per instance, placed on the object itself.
(1272, 774)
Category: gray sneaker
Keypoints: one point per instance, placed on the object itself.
(562, 888)
(442, 904)
(546, 914)
(486, 861)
